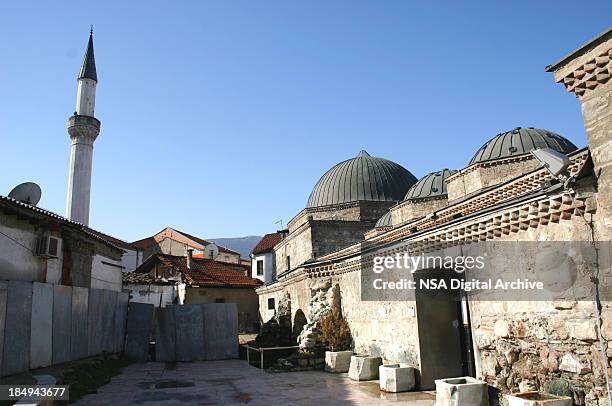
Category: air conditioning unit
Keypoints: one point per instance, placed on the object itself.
(47, 247)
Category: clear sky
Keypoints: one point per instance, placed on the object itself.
(218, 117)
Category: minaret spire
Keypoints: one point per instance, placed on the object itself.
(88, 69)
(83, 128)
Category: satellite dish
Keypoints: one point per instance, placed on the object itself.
(28, 192)
(211, 251)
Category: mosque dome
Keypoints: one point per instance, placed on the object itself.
(521, 141)
(362, 178)
(384, 221)
(431, 185)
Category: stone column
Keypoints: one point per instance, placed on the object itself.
(586, 73)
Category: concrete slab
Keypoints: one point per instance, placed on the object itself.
(189, 333)
(220, 331)
(233, 382)
(62, 323)
(3, 294)
(16, 354)
(80, 305)
(108, 320)
(41, 327)
(140, 316)
(120, 320)
(94, 321)
(165, 334)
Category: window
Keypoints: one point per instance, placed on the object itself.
(288, 262)
(271, 303)
(259, 267)
(220, 300)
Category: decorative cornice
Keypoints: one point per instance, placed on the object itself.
(589, 75)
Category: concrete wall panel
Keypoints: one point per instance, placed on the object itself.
(120, 321)
(3, 294)
(109, 302)
(220, 330)
(140, 316)
(62, 323)
(165, 334)
(80, 305)
(94, 321)
(189, 333)
(16, 355)
(41, 327)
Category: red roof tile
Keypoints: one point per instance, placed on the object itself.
(205, 272)
(267, 243)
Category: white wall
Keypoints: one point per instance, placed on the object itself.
(18, 260)
(131, 260)
(106, 273)
(155, 294)
(268, 258)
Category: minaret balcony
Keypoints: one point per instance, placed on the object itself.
(83, 126)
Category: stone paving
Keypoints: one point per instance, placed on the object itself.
(234, 382)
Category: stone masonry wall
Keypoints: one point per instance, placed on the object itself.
(479, 176)
(409, 210)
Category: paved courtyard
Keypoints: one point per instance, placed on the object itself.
(234, 382)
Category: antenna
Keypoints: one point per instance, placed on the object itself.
(27, 192)
(211, 251)
(281, 223)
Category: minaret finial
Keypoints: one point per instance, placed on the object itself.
(91, 30)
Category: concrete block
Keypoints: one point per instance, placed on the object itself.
(220, 330)
(537, 399)
(140, 316)
(462, 391)
(94, 321)
(16, 354)
(165, 335)
(3, 294)
(41, 327)
(62, 323)
(396, 378)
(338, 361)
(364, 368)
(120, 321)
(80, 307)
(189, 320)
(109, 302)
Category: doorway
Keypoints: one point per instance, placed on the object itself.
(444, 328)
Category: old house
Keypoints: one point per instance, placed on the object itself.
(174, 242)
(41, 246)
(190, 280)
(503, 194)
(263, 259)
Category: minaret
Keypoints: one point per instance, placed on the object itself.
(83, 128)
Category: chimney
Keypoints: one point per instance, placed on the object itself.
(189, 258)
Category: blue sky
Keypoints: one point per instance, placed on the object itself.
(218, 117)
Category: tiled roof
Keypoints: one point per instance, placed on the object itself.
(144, 243)
(267, 242)
(113, 242)
(204, 271)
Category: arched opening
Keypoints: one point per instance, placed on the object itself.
(299, 321)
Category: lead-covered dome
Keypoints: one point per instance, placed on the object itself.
(431, 185)
(362, 178)
(384, 221)
(521, 141)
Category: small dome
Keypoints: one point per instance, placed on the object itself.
(520, 141)
(362, 178)
(431, 185)
(384, 221)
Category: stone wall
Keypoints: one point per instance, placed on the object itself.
(412, 209)
(482, 175)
